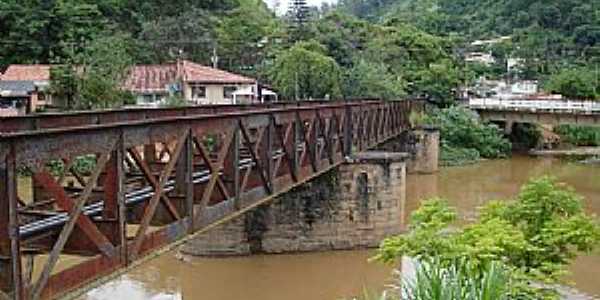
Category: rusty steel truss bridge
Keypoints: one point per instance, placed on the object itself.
(153, 177)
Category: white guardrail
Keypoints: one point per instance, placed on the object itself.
(520, 104)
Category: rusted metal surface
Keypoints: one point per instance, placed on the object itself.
(168, 172)
(76, 119)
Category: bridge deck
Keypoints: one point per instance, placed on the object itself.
(549, 112)
(157, 176)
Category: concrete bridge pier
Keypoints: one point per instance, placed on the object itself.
(354, 206)
(508, 127)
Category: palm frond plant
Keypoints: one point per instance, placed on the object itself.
(435, 280)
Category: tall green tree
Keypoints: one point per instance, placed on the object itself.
(372, 80)
(344, 36)
(577, 83)
(423, 60)
(304, 71)
(191, 34)
(298, 17)
(92, 79)
(244, 35)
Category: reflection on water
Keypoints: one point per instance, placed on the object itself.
(337, 275)
(327, 275)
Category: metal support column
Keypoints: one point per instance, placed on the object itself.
(348, 131)
(188, 157)
(269, 134)
(235, 148)
(10, 254)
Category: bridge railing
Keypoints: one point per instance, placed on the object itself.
(586, 106)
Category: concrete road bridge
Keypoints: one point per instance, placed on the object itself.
(156, 177)
(548, 112)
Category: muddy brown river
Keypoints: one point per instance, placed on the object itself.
(341, 275)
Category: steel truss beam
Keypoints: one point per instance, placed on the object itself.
(162, 174)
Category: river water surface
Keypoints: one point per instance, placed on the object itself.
(341, 275)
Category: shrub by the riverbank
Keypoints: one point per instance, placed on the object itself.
(533, 238)
(465, 139)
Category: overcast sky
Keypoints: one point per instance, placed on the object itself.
(284, 3)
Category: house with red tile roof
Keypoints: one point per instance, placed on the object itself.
(196, 83)
(27, 72)
(23, 89)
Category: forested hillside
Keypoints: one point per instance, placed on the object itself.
(578, 19)
(550, 34)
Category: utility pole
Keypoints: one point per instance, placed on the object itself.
(296, 87)
(597, 82)
(215, 58)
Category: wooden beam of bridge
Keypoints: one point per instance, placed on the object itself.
(161, 174)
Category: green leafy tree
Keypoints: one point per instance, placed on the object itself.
(304, 71)
(243, 35)
(438, 83)
(298, 17)
(372, 80)
(92, 79)
(578, 83)
(190, 34)
(344, 37)
(536, 236)
(423, 60)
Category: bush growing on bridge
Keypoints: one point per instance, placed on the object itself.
(464, 137)
(536, 236)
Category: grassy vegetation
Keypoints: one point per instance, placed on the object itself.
(579, 135)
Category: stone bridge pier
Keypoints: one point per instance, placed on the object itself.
(422, 145)
(354, 206)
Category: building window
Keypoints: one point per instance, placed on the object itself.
(198, 92)
(148, 98)
(228, 91)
